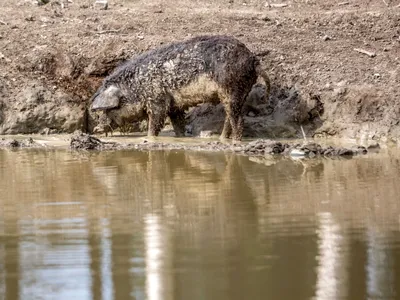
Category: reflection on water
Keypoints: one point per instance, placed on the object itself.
(186, 225)
(332, 259)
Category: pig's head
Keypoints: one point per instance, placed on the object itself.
(107, 98)
(115, 106)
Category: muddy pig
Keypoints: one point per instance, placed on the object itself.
(165, 82)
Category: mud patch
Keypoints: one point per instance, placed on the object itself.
(259, 147)
(13, 143)
(89, 142)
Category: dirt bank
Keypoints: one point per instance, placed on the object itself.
(52, 60)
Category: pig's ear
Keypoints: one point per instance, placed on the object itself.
(107, 99)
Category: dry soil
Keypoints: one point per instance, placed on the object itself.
(52, 59)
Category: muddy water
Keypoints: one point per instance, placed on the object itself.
(187, 225)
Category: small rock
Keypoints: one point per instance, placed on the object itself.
(328, 151)
(46, 20)
(312, 147)
(276, 5)
(85, 142)
(374, 148)
(29, 142)
(30, 18)
(266, 19)
(13, 144)
(344, 152)
(205, 134)
(278, 148)
(42, 2)
(45, 131)
(297, 153)
(326, 38)
(102, 3)
(264, 147)
(189, 129)
(360, 150)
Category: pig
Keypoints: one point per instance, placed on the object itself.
(167, 81)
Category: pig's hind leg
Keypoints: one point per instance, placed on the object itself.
(177, 117)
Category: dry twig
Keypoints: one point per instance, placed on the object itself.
(107, 31)
(370, 54)
(277, 5)
(304, 135)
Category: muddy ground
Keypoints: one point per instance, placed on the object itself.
(260, 147)
(52, 59)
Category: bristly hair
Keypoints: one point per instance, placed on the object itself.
(128, 68)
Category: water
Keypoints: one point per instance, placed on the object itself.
(187, 225)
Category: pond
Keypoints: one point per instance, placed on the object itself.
(197, 225)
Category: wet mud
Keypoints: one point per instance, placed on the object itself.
(260, 147)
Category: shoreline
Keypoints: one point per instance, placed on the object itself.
(295, 148)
